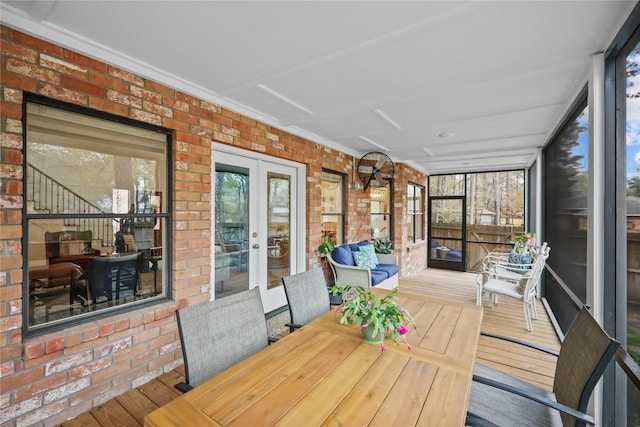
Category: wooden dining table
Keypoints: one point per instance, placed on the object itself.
(324, 374)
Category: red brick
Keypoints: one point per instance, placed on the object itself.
(55, 344)
(85, 61)
(33, 350)
(108, 82)
(89, 368)
(14, 188)
(13, 111)
(37, 44)
(38, 387)
(20, 52)
(63, 94)
(109, 107)
(23, 377)
(83, 86)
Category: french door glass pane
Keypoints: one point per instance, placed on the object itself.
(231, 224)
(279, 219)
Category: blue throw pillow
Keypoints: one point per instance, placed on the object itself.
(362, 260)
(355, 246)
(516, 258)
(342, 255)
(371, 253)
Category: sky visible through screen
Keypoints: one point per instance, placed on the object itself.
(633, 119)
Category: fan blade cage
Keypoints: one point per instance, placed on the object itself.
(375, 169)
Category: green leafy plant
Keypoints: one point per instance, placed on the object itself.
(522, 240)
(382, 246)
(326, 245)
(364, 307)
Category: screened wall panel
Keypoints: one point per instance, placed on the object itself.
(565, 214)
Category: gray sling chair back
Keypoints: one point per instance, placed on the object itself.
(307, 295)
(499, 399)
(216, 335)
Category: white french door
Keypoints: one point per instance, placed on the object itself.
(258, 223)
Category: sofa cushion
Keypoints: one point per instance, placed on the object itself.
(454, 256)
(342, 255)
(362, 259)
(388, 269)
(378, 276)
(356, 246)
(371, 253)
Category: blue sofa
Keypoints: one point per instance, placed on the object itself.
(346, 272)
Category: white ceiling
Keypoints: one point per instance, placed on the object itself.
(359, 76)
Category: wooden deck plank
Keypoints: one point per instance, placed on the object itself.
(137, 404)
(505, 318)
(82, 420)
(113, 414)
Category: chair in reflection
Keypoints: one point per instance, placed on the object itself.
(499, 399)
(281, 257)
(216, 335)
(222, 267)
(307, 295)
(107, 278)
(237, 249)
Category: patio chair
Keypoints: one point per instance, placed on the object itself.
(500, 262)
(307, 295)
(518, 281)
(499, 399)
(216, 335)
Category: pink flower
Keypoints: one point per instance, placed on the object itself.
(369, 303)
(402, 330)
(382, 347)
(364, 325)
(342, 309)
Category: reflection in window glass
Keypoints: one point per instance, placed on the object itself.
(381, 212)
(279, 220)
(415, 212)
(96, 212)
(231, 255)
(333, 206)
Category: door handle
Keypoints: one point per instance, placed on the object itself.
(255, 246)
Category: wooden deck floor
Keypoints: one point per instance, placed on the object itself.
(505, 318)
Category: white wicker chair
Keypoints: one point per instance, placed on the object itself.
(518, 281)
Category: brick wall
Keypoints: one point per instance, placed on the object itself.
(50, 378)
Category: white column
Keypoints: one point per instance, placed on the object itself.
(595, 233)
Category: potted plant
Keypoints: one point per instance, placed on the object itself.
(382, 246)
(326, 245)
(378, 317)
(522, 240)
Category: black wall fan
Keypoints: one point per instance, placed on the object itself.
(375, 169)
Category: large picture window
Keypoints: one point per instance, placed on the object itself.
(96, 213)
